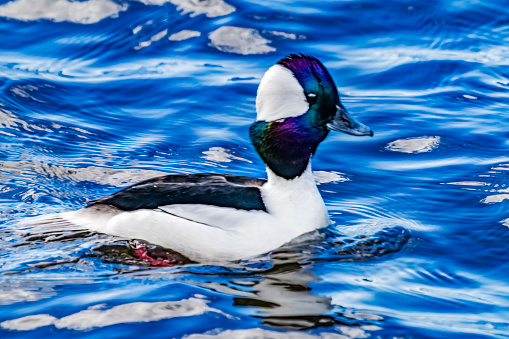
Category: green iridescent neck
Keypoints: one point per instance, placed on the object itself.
(286, 145)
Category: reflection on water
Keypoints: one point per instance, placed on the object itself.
(83, 12)
(414, 145)
(93, 11)
(211, 8)
(99, 94)
(497, 191)
(220, 154)
(16, 291)
(184, 35)
(346, 333)
(99, 175)
(239, 40)
(154, 38)
(30, 322)
(97, 316)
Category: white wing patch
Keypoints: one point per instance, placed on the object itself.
(220, 217)
(279, 95)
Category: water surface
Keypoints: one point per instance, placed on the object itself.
(99, 94)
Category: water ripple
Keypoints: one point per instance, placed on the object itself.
(98, 94)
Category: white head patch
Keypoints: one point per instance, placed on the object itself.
(279, 95)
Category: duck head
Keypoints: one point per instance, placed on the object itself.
(297, 104)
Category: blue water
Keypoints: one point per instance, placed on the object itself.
(96, 95)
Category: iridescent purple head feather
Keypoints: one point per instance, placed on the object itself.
(308, 70)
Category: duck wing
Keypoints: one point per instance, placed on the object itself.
(222, 190)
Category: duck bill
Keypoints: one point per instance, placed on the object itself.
(344, 122)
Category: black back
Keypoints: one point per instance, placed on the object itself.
(221, 190)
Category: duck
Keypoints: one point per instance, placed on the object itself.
(210, 217)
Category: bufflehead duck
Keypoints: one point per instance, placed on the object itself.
(221, 217)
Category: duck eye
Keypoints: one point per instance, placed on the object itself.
(311, 98)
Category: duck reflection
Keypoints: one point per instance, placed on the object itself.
(284, 299)
(281, 295)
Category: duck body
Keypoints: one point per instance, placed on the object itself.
(211, 233)
(220, 217)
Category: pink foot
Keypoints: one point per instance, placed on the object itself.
(156, 255)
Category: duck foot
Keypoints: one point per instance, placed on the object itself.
(157, 255)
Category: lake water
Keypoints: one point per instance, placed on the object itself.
(96, 95)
